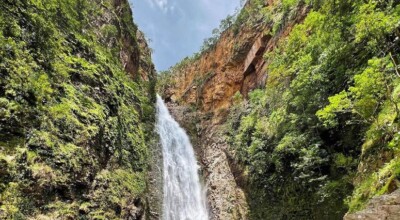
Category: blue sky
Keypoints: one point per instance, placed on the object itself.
(177, 27)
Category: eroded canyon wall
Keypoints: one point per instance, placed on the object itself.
(235, 63)
(76, 111)
(293, 110)
(201, 92)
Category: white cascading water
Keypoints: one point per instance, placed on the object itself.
(184, 198)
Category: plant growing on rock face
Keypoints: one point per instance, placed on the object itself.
(69, 112)
(331, 95)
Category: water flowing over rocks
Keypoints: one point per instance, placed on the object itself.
(184, 198)
(225, 196)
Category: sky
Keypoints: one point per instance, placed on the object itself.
(177, 28)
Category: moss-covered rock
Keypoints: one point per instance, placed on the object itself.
(76, 110)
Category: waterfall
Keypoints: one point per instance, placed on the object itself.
(184, 198)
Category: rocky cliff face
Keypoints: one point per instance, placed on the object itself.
(284, 81)
(76, 111)
(201, 93)
(382, 207)
(235, 64)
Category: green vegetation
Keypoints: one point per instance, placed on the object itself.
(323, 136)
(74, 124)
(331, 101)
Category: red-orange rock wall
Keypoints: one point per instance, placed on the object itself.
(235, 64)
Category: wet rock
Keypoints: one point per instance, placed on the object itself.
(226, 199)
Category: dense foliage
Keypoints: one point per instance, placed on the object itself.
(330, 105)
(73, 142)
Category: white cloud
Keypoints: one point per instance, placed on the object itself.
(150, 3)
(162, 4)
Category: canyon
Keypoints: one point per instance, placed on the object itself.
(290, 113)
